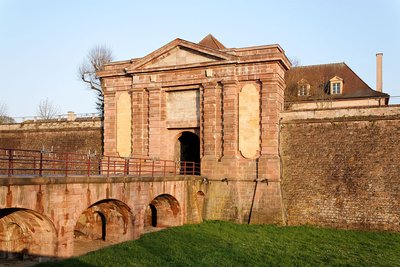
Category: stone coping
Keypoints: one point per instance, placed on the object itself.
(30, 180)
(357, 113)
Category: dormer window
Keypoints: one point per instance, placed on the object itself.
(336, 88)
(336, 85)
(303, 88)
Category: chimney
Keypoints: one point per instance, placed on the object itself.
(379, 83)
(71, 116)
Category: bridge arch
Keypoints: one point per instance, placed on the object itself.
(25, 232)
(163, 211)
(108, 220)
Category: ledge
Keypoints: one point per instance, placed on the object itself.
(31, 180)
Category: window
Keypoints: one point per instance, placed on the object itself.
(303, 88)
(336, 88)
(336, 85)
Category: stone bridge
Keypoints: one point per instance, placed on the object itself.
(49, 216)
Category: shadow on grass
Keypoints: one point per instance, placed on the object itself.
(28, 259)
(226, 244)
(68, 262)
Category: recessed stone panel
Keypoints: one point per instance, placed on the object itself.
(183, 109)
(249, 121)
(124, 121)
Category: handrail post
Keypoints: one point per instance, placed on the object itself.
(175, 168)
(41, 163)
(124, 171)
(152, 169)
(66, 165)
(100, 166)
(193, 163)
(127, 167)
(10, 162)
(140, 167)
(88, 167)
(184, 168)
(34, 165)
(54, 165)
(108, 166)
(165, 166)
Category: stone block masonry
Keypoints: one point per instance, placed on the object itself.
(76, 136)
(48, 216)
(341, 168)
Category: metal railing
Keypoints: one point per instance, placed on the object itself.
(19, 162)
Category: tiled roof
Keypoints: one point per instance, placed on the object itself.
(318, 77)
(212, 42)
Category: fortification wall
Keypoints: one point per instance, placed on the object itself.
(78, 136)
(341, 167)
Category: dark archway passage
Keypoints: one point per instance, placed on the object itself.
(153, 215)
(26, 233)
(103, 225)
(190, 151)
(163, 211)
(105, 222)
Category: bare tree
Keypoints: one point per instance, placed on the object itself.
(95, 60)
(321, 93)
(3, 109)
(4, 118)
(294, 61)
(47, 110)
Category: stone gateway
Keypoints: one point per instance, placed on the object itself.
(230, 98)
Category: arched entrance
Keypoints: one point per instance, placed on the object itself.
(188, 150)
(105, 222)
(26, 233)
(163, 211)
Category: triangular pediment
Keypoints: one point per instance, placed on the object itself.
(179, 56)
(336, 78)
(180, 53)
(303, 81)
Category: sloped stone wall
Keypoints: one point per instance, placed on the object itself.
(77, 136)
(342, 170)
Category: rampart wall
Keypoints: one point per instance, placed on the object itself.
(77, 136)
(341, 167)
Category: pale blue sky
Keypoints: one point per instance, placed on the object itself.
(43, 42)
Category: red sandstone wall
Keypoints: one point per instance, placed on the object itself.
(65, 206)
(78, 136)
(342, 172)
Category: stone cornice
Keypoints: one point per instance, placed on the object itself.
(274, 58)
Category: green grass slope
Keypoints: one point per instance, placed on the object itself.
(218, 243)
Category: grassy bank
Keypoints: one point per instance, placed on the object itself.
(228, 244)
